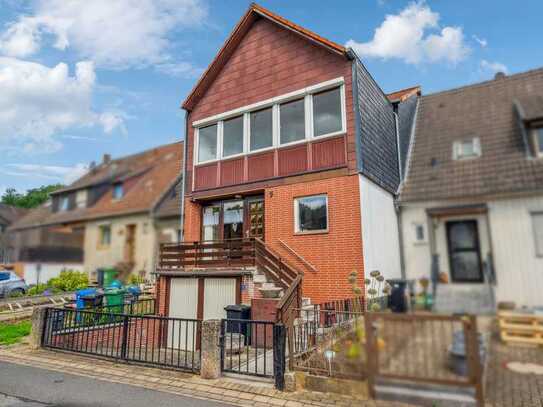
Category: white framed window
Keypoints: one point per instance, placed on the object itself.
(537, 224)
(81, 198)
(311, 214)
(464, 149)
(314, 112)
(419, 232)
(538, 141)
(118, 191)
(64, 203)
(104, 236)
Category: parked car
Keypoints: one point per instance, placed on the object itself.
(11, 285)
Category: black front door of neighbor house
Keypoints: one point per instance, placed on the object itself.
(464, 251)
(233, 219)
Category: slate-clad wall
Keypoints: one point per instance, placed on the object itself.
(406, 115)
(378, 158)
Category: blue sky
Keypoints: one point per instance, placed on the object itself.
(80, 79)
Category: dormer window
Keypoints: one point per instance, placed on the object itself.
(464, 149)
(538, 141)
(64, 203)
(118, 191)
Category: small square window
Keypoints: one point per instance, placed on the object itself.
(466, 149)
(311, 214)
(420, 235)
(537, 223)
(104, 238)
(207, 143)
(118, 191)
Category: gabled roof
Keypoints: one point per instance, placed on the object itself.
(484, 111)
(530, 107)
(242, 27)
(9, 214)
(404, 94)
(146, 176)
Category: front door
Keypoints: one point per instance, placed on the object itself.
(464, 252)
(233, 219)
(130, 244)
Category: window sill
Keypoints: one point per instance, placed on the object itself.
(312, 232)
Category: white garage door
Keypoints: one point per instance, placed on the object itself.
(218, 293)
(183, 304)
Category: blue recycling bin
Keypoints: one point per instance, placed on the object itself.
(82, 296)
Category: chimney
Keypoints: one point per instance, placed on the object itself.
(107, 159)
(499, 75)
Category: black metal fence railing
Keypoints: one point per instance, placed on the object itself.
(251, 347)
(147, 339)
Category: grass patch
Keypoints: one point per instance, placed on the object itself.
(13, 333)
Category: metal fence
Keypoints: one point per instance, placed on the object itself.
(253, 348)
(147, 339)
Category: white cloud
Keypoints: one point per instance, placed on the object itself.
(63, 174)
(481, 41)
(113, 34)
(38, 102)
(181, 69)
(406, 36)
(491, 68)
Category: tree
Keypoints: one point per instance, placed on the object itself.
(31, 199)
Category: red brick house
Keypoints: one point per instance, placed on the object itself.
(292, 143)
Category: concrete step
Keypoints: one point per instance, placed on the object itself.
(259, 278)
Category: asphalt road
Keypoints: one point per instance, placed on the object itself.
(24, 386)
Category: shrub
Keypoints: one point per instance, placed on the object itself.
(69, 280)
(37, 289)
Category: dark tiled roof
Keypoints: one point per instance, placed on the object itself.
(170, 205)
(486, 111)
(146, 176)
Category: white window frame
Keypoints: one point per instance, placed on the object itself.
(457, 147)
(61, 208)
(274, 103)
(538, 148)
(538, 253)
(115, 185)
(100, 245)
(424, 239)
(297, 214)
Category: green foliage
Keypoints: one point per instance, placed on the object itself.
(37, 289)
(12, 333)
(69, 280)
(134, 279)
(31, 199)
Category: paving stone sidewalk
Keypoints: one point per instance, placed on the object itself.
(227, 390)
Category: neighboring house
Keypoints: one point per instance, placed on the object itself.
(472, 202)
(289, 140)
(115, 214)
(8, 215)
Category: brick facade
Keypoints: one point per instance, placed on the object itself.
(336, 253)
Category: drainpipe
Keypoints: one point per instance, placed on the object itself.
(400, 239)
(184, 167)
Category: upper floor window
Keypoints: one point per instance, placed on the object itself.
(538, 141)
(118, 191)
(311, 214)
(232, 140)
(292, 121)
(64, 203)
(207, 143)
(261, 129)
(466, 149)
(316, 111)
(81, 198)
(327, 112)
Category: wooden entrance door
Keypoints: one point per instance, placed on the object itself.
(254, 226)
(130, 244)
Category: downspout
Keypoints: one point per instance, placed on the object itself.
(185, 149)
(400, 239)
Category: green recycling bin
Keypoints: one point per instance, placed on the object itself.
(115, 299)
(110, 274)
